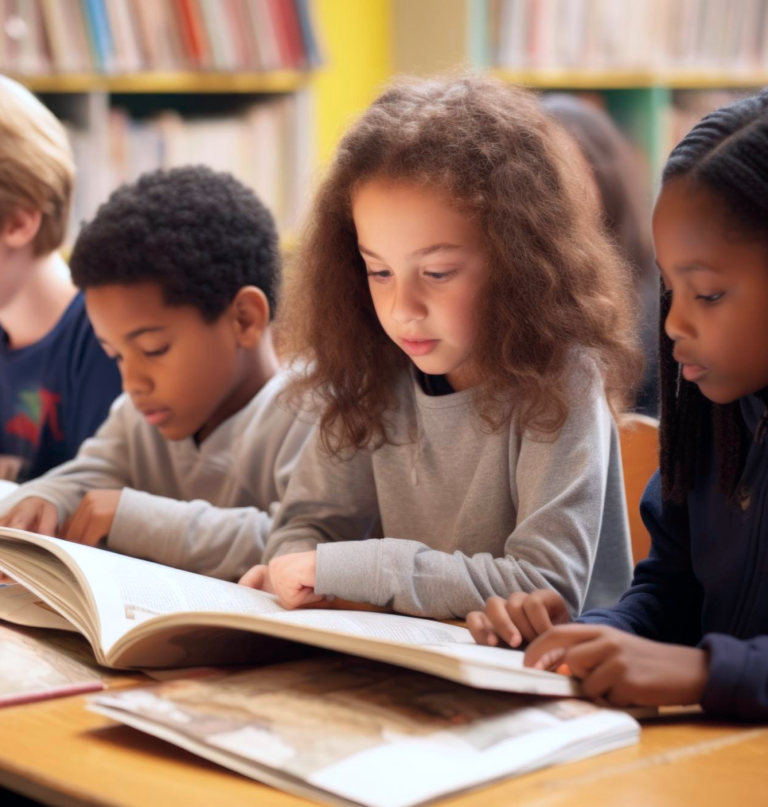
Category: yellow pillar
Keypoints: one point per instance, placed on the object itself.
(356, 37)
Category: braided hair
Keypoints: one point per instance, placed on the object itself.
(726, 153)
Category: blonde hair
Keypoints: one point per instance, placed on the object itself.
(37, 170)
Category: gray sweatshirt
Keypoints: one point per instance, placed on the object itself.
(206, 508)
(466, 513)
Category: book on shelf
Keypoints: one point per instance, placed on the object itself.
(137, 614)
(265, 145)
(126, 36)
(344, 730)
(654, 35)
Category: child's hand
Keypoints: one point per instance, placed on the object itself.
(10, 467)
(93, 519)
(623, 668)
(33, 514)
(293, 578)
(257, 577)
(520, 618)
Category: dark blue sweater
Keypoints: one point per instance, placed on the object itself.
(705, 581)
(55, 393)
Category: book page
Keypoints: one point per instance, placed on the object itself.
(22, 607)
(44, 567)
(129, 591)
(7, 486)
(386, 627)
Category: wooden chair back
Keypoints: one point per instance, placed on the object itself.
(639, 437)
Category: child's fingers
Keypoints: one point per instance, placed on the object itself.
(95, 531)
(599, 682)
(49, 521)
(560, 636)
(516, 609)
(289, 590)
(585, 657)
(551, 660)
(22, 519)
(295, 597)
(75, 526)
(254, 577)
(557, 608)
(481, 629)
(501, 621)
(537, 614)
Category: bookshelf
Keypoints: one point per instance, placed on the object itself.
(632, 79)
(641, 95)
(145, 84)
(189, 82)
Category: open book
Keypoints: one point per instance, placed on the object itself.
(138, 614)
(345, 730)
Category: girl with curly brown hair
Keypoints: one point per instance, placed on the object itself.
(463, 328)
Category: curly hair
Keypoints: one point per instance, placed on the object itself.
(726, 153)
(556, 282)
(199, 234)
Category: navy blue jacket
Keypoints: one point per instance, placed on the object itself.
(705, 581)
(54, 394)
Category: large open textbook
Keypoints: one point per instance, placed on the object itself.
(138, 614)
(346, 730)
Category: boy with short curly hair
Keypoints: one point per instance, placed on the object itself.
(56, 384)
(180, 272)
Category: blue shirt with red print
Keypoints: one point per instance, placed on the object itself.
(53, 395)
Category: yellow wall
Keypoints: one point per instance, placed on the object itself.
(356, 37)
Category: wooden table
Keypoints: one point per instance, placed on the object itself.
(59, 753)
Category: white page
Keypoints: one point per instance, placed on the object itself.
(22, 607)
(387, 627)
(28, 558)
(500, 658)
(130, 591)
(7, 487)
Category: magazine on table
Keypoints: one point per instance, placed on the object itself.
(346, 730)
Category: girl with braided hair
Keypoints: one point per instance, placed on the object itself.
(693, 627)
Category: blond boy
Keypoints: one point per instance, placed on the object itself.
(56, 383)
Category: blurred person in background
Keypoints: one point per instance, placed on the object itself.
(626, 206)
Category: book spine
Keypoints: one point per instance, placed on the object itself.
(91, 12)
(293, 35)
(281, 37)
(241, 55)
(199, 38)
(311, 48)
(89, 55)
